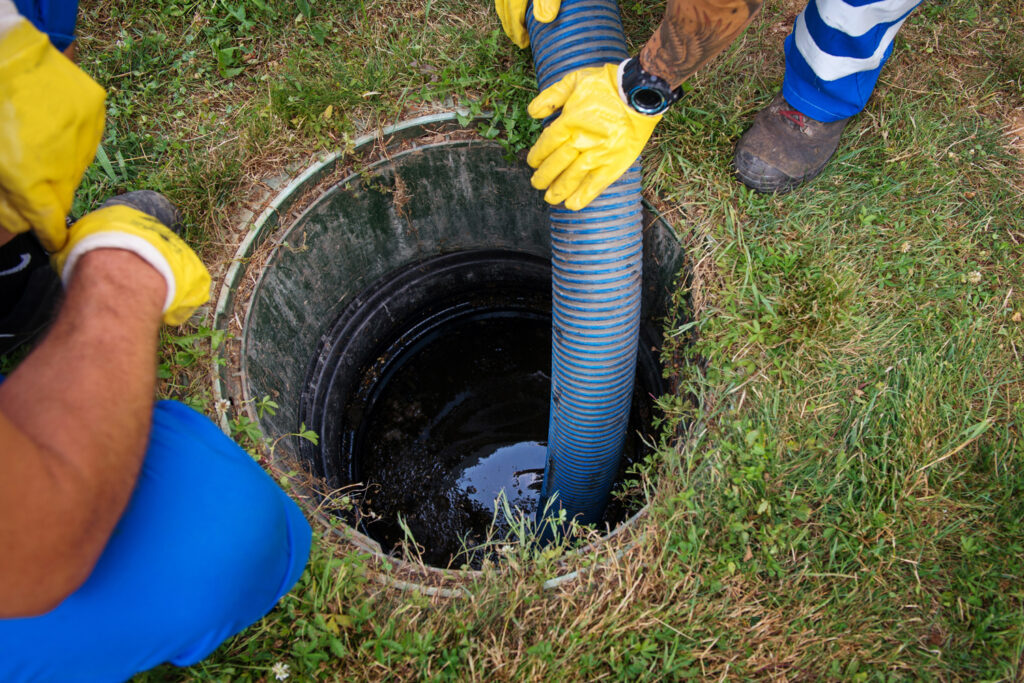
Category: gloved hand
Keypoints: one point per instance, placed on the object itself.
(122, 227)
(595, 139)
(51, 121)
(513, 17)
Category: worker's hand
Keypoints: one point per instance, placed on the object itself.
(513, 17)
(51, 119)
(595, 139)
(122, 227)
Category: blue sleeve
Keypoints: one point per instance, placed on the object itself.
(56, 18)
(207, 545)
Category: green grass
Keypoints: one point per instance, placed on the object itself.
(848, 501)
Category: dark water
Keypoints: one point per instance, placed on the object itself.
(461, 417)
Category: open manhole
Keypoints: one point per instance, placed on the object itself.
(404, 316)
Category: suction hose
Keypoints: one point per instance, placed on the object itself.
(596, 260)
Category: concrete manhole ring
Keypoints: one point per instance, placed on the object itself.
(287, 243)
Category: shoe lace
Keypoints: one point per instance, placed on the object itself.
(794, 117)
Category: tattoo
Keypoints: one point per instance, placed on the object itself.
(692, 32)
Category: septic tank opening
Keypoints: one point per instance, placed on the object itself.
(404, 316)
(431, 393)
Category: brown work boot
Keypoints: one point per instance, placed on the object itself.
(784, 149)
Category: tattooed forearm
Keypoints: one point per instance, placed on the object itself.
(692, 32)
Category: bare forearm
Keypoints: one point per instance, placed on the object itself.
(79, 408)
(87, 389)
(692, 33)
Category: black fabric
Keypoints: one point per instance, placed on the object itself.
(29, 291)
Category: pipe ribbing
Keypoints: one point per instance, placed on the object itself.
(596, 272)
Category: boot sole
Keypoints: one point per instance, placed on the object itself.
(770, 180)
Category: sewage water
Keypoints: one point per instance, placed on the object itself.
(459, 418)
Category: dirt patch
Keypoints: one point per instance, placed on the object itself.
(787, 13)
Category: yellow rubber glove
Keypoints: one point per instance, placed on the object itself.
(513, 17)
(50, 125)
(122, 227)
(595, 139)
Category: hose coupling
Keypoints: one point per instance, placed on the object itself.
(643, 91)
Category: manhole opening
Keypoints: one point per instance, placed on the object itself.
(436, 242)
(430, 393)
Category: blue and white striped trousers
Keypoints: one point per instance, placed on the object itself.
(836, 51)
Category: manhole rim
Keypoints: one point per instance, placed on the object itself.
(388, 570)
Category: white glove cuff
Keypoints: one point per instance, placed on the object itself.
(122, 240)
(618, 81)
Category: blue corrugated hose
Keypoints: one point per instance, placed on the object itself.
(596, 268)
